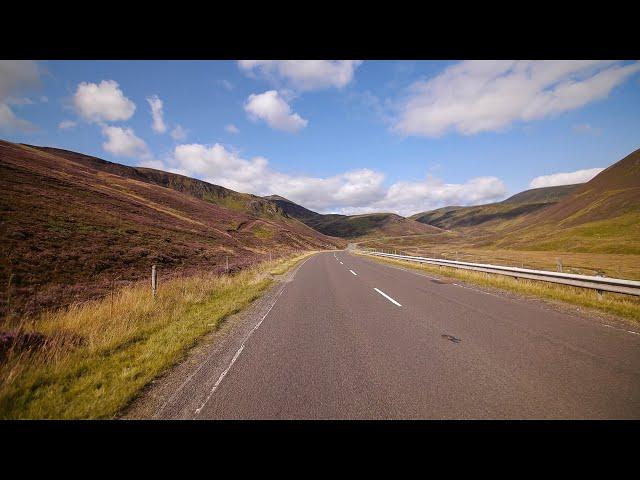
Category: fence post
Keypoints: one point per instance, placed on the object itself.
(154, 280)
(559, 263)
(600, 292)
(227, 262)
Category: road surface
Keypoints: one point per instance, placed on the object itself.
(351, 338)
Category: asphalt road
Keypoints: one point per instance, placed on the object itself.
(350, 338)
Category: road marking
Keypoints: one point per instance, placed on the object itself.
(237, 354)
(387, 297)
(341, 263)
(353, 273)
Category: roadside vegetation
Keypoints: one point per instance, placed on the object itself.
(90, 360)
(622, 305)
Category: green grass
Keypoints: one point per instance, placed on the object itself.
(617, 304)
(127, 342)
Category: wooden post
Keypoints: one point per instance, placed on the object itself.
(227, 261)
(600, 292)
(154, 280)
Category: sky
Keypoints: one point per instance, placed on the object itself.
(337, 136)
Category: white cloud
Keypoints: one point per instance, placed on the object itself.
(480, 96)
(8, 120)
(178, 133)
(157, 114)
(303, 74)
(407, 198)
(355, 191)
(15, 77)
(102, 102)
(124, 142)
(569, 178)
(272, 109)
(66, 125)
(231, 128)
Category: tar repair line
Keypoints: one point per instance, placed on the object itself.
(387, 297)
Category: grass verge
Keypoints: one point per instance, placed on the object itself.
(617, 304)
(98, 356)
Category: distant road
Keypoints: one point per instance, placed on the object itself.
(350, 338)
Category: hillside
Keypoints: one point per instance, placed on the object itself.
(602, 215)
(73, 224)
(293, 209)
(353, 226)
(490, 214)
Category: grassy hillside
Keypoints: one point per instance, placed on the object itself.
(516, 206)
(602, 215)
(353, 226)
(74, 226)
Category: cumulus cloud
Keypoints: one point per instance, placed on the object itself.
(355, 191)
(271, 108)
(480, 96)
(157, 114)
(412, 197)
(102, 102)
(123, 142)
(67, 124)
(568, 178)
(178, 133)
(303, 75)
(231, 128)
(15, 77)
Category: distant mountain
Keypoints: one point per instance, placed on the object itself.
(602, 215)
(353, 226)
(518, 205)
(70, 224)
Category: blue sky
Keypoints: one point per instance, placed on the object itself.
(337, 136)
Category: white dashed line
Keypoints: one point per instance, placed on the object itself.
(353, 273)
(341, 263)
(387, 297)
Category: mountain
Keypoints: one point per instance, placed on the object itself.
(71, 224)
(490, 214)
(353, 226)
(293, 209)
(602, 215)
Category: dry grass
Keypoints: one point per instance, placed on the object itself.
(617, 304)
(99, 355)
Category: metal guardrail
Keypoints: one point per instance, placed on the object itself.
(617, 285)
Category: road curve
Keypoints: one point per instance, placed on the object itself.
(350, 338)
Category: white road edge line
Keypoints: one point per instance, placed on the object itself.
(235, 357)
(353, 273)
(387, 297)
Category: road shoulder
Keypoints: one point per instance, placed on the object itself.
(183, 388)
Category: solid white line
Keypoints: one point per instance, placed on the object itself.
(237, 354)
(387, 297)
(353, 273)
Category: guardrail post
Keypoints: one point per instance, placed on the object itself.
(600, 292)
(154, 280)
(559, 264)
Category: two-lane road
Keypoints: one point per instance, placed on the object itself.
(352, 338)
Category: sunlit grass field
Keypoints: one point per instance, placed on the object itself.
(99, 355)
